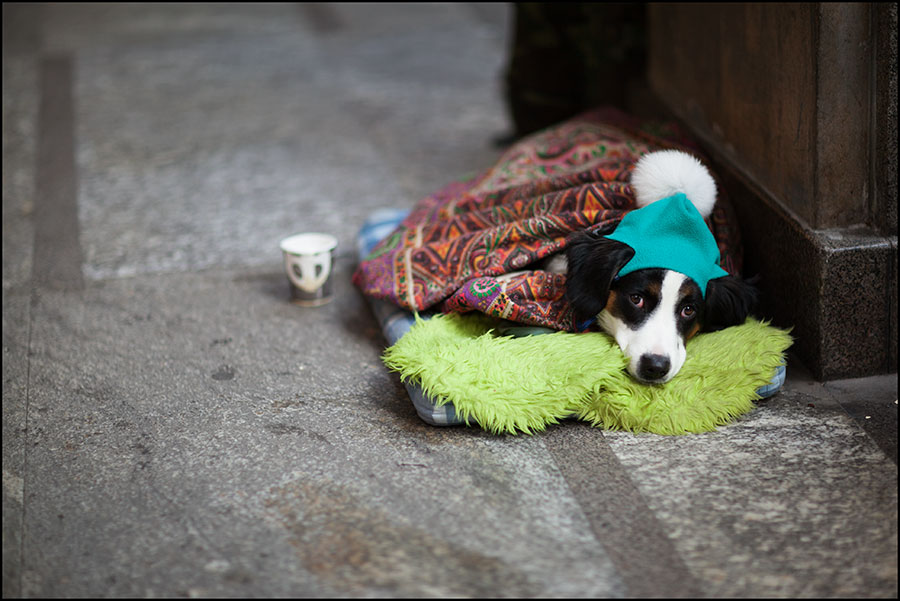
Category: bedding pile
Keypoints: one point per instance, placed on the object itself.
(448, 252)
(450, 278)
(508, 384)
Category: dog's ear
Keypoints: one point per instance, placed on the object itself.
(729, 301)
(593, 263)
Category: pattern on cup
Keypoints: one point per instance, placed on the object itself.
(308, 272)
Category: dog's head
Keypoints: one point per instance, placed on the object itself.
(650, 312)
(655, 281)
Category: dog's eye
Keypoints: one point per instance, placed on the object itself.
(636, 299)
(687, 311)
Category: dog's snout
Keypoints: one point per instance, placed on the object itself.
(653, 367)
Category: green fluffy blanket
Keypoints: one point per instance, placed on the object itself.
(508, 385)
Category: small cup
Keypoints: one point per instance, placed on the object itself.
(308, 260)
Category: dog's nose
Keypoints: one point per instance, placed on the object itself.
(654, 367)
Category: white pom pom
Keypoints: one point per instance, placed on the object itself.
(665, 173)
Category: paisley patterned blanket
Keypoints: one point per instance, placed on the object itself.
(449, 252)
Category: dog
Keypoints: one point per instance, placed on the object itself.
(652, 309)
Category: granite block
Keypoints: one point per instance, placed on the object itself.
(200, 435)
(639, 545)
(20, 114)
(16, 320)
(262, 142)
(892, 307)
(775, 505)
(833, 287)
(885, 107)
(68, 27)
(855, 303)
(57, 245)
(19, 152)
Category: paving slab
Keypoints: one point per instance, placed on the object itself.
(775, 505)
(274, 132)
(204, 413)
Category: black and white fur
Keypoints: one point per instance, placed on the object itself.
(651, 313)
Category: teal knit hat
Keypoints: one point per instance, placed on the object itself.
(670, 234)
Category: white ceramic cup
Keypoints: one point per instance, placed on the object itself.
(308, 260)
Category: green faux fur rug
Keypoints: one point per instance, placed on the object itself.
(509, 385)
